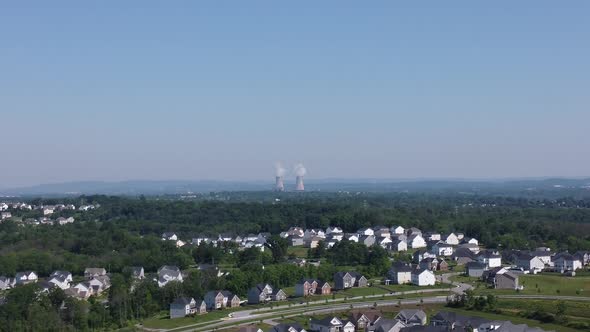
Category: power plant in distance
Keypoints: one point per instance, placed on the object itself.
(299, 171)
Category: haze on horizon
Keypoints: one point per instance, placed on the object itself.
(217, 90)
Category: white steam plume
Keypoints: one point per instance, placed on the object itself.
(279, 169)
(300, 170)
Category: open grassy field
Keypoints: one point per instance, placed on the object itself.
(299, 252)
(162, 321)
(546, 284)
(409, 287)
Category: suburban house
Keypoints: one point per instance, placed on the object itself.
(398, 245)
(530, 263)
(91, 272)
(367, 240)
(566, 262)
(221, 299)
(137, 272)
(262, 293)
(475, 269)
(500, 278)
(331, 324)
(365, 319)
(490, 258)
(442, 249)
(451, 239)
(416, 241)
(295, 240)
(419, 255)
(5, 215)
(26, 277)
(423, 277)
(382, 232)
(169, 236)
(398, 230)
(470, 240)
(384, 242)
(463, 256)
(389, 325)
(430, 236)
(6, 283)
(343, 280)
(336, 230)
(544, 256)
(452, 321)
(399, 273)
(61, 279)
(353, 237)
(413, 231)
(412, 317)
(472, 247)
(313, 242)
(583, 256)
(289, 327)
(168, 273)
(307, 287)
(185, 306)
(366, 231)
(429, 264)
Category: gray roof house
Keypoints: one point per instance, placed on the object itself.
(343, 280)
(412, 317)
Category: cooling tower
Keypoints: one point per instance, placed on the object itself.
(279, 185)
(299, 184)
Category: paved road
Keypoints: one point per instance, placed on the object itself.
(267, 315)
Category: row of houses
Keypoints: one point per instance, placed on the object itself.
(403, 273)
(95, 282)
(245, 241)
(46, 209)
(408, 320)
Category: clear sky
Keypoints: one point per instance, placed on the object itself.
(117, 90)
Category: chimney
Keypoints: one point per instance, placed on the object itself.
(299, 183)
(279, 185)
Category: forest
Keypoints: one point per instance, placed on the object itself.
(126, 231)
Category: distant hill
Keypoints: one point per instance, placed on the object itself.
(541, 188)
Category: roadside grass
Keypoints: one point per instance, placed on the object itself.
(545, 284)
(409, 287)
(163, 321)
(574, 309)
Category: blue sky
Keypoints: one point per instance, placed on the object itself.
(117, 90)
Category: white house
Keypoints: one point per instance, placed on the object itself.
(5, 215)
(399, 245)
(398, 230)
(168, 273)
(366, 231)
(331, 324)
(529, 263)
(442, 249)
(384, 242)
(169, 236)
(567, 262)
(423, 277)
(6, 283)
(3, 206)
(433, 236)
(331, 230)
(400, 273)
(490, 258)
(48, 210)
(416, 241)
(26, 277)
(61, 279)
(451, 239)
(352, 237)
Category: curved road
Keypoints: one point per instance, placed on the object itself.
(267, 314)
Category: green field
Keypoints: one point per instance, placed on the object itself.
(546, 284)
(162, 321)
(299, 252)
(409, 287)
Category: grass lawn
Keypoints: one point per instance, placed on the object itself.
(548, 284)
(162, 321)
(409, 287)
(574, 309)
(299, 251)
(361, 291)
(262, 326)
